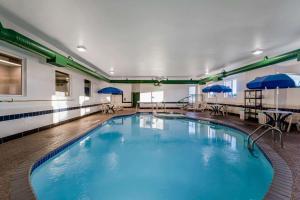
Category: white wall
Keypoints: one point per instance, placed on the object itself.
(39, 95)
(172, 93)
(39, 92)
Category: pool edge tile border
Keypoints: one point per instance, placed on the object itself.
(281, 185)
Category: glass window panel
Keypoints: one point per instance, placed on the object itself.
(10, 75)
(158, 96)
(233, 85)
(192, 92)
(62, 84)
(296, 78)
(87, 88)
(145, 97)
(210, 94)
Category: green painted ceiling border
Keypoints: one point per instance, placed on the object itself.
(57, 59)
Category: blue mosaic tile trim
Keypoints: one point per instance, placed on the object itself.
(44, 112)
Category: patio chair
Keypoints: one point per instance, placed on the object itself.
(298, 126)
(224, 110)
(193, 107)
(290, 120)
(118, 107)
(111, 108)
(287, 124)
(103, 108)
(190, 107)
(202, 107)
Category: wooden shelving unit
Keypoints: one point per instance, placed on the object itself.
(252, 103)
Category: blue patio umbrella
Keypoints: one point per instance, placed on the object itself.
(217, 89)
(272, 82)
(275, 81)
(110, 90)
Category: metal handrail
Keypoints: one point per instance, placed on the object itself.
(260, 127)
(187, 97)
(271, 128)
(185, 101)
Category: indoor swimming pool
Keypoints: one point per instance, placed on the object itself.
(144, 157)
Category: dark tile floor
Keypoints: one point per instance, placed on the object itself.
(17, 156)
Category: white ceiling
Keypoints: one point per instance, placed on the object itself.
(160, 37)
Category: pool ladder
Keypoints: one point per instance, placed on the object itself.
(270, 129)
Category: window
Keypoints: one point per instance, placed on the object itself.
(233, 85)
(87, 88)
(145, 97)
(210, 95)
(156, 96)
(108, 99)
(62, 84)
(296, 78)
(10, 75)
(192, 94)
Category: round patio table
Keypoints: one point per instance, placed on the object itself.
(110, 108)
(216, 109)
(277, 117)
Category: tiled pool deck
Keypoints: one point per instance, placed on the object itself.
(17, 156)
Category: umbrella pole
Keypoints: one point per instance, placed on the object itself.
(216, 99)
(277, 98)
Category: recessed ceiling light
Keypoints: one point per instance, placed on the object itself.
(257, 52)
(111, 72)
(206, 72)
(81, 48)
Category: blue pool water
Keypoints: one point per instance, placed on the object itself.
(144, 157)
